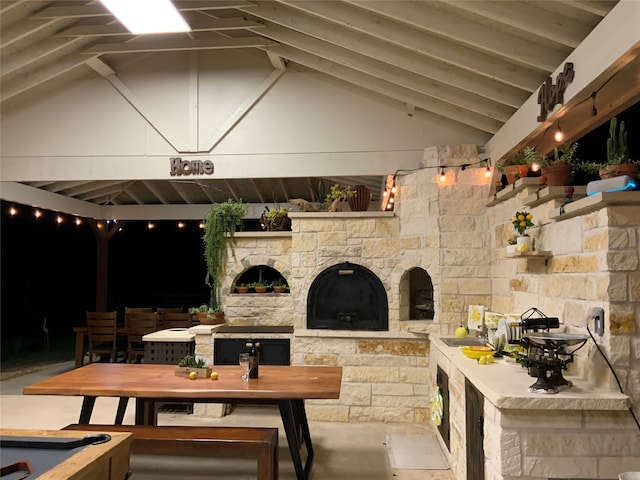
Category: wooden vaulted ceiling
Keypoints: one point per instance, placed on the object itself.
(471, 62)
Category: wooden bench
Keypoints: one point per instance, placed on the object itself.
(202, 441)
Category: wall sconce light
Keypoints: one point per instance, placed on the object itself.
(559, 135)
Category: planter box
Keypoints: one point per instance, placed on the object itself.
(202, 372)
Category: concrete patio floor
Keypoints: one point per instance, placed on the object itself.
(343, 451)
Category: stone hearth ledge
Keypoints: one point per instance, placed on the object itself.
(385, 335)
(504, 384)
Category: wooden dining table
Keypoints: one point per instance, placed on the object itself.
(286, 386)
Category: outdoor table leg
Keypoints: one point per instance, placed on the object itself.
(146, 412)
(86, 410)
(122, 408)
(290, 411)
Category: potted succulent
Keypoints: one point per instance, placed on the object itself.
(557, 169)
(337, 195)
(517, 166)
(521, 222)
(618, 160)
(280, 285)
(260, 286)
(240, 288)
(193, 367)
(275, 219)
(220, 224)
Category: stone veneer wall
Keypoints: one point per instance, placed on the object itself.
(447, 229)
(594, 263)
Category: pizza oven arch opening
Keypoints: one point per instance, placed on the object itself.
(416, 295)
(347, 296)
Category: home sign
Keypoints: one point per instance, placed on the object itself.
(178, 167)
(551, 95)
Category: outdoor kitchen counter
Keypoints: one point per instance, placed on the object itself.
(505, 384)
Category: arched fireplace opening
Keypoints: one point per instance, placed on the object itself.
(416, 294)
(347, 296)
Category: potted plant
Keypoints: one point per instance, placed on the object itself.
(241, 288)
(521, 222)
(517, 166)
(193, 367)
(618, 160)
(557, 169)
(275, 219)
(260, 286)
(337, 195)
(220, 224)
(200, 312)
(280, 285)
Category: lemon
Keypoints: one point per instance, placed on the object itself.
(461, 332)
(482, 360)
(214, 375)
(193, 375)
(490, 358)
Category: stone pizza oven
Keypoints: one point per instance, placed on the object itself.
(347, 296)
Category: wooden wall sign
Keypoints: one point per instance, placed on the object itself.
(178, 167)
(551, 95)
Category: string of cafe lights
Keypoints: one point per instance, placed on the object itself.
(60, 219)
(391, 190)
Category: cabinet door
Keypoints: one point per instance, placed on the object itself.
(474, 406)
(442, 379)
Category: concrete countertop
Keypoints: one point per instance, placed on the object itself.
(505, 384)
(170, 335)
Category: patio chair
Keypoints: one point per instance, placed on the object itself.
(139, 324)
(101, 328)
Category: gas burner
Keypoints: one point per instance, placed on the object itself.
(547, 358)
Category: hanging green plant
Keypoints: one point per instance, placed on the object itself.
(220, 224)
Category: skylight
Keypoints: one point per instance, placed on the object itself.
(147, 16)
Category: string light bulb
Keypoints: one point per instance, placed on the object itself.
(181, 225)
(443, 177)
(37, 213)
(59, 219)
(151, 225)
(559, 135)
(12, 211)
(78, 221)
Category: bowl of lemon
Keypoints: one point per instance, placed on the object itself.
(476, 352)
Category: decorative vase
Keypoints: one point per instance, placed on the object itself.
(609, 171)
(361, 199)
(513, 172)
(557, 175)
(525, 244)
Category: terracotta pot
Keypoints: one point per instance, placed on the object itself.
(278, 289)
(610, 171)
(557, 175)
(361, 199)
(242, 289)
(260, 289)
(510, 172)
